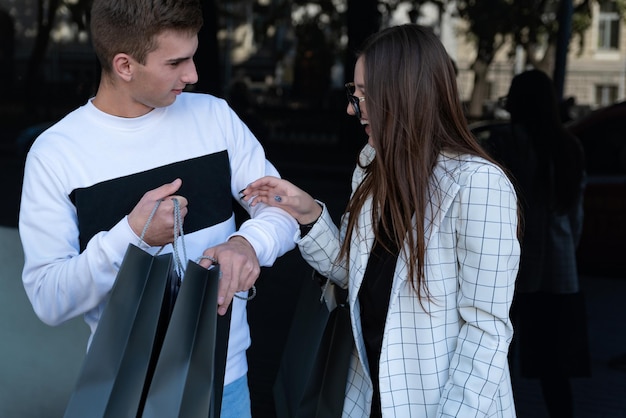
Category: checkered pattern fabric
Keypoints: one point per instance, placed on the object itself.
(449, 357)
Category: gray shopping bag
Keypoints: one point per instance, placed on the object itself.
(115, 368)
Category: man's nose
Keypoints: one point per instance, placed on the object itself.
(190, 76)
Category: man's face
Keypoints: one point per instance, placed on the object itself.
(166, 71)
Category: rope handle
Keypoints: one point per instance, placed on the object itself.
(178, 235)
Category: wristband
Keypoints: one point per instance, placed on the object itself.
(306, 228)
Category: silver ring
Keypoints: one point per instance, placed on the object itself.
(208, 257)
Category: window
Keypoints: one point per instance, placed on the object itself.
(606, 94)
(608, 28)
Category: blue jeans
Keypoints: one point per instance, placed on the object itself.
(236, 399)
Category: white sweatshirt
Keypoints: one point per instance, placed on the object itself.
(95, 167)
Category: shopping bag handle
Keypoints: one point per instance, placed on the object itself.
(178, 235)
(251, 292)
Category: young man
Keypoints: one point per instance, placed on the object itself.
(92, 179)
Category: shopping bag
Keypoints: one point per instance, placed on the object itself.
(147, 335)
(313, 371)
(184, 382)
(111, 381)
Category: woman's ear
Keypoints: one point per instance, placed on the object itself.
(123, 66)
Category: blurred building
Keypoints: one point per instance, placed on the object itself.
(260, 45)
(596, 72)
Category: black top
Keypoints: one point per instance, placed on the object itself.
(374, 300)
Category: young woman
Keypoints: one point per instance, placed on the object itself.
(427, 246)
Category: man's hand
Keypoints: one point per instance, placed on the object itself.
(239, 267)
(161, 228)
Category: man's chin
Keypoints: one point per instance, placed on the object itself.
(167, 101)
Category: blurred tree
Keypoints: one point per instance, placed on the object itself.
(488, 23)
(530, 24)
(7, 45)
(313, 62)
(319, 28)
(363, 19)
(46, 14)
(207, 56)
(563, 36)
(540, 27)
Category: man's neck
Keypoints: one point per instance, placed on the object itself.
(115, 101)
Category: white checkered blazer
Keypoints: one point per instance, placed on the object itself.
(448, 359)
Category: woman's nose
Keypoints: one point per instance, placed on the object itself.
(350, 110)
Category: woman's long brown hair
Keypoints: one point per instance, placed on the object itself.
(415, 113)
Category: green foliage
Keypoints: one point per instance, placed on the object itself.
(489, 23)
(529, 23)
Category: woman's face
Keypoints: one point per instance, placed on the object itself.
(359, 91)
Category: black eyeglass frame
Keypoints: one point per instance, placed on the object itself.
(354, 100)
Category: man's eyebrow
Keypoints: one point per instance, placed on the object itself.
(177, 60)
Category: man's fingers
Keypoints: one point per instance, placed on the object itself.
(239, 277)
(207, 259)
(223, 308)
(227, 289)
(165, 190)
(182, 204)
(239, 268)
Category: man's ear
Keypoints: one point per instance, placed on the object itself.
(123, 66)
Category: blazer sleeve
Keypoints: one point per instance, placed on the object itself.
(320, 248)
(488, 257)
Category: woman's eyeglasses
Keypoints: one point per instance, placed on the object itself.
(354, 100)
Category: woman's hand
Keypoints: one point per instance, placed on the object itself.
(283, 194)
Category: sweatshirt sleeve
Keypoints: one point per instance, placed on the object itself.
(271, 231)
(62, 283)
